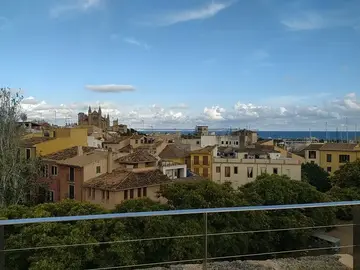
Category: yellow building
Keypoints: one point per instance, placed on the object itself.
(334, 155)
(201, 161)
(57, 139)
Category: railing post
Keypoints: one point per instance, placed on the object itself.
(356, 237)
(2, 247)
(205, 241)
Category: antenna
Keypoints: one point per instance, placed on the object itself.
(347, 131)
(326, 133)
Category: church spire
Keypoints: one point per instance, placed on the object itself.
(99, 110)
(89, 109)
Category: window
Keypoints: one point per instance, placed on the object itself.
(103, 194)
(144, 191)
(71, 192)
(227, 142)
(205, 160)
(98, 169)
(230, 142)
(54, 170)
(222, 142)
(263, 170)
(139, 192)
(89, 190)
(197, 142)
(344, 158)
(51, 196)
(250, 172)
(328, 158)
(45, 171)
(312, 154)
(28, 153)
(93, 193)
(107, 195)
(275, 170)
(72, 174)
(196, 160)
(131, 194)
(218, 169)
(125, 194)
(197, 171)
(141, 141)
(235, 170)
(136, 141)
(328, 169)
(205, 172)
(237, 143)
(227, 171)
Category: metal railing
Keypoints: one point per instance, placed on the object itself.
(205, 235)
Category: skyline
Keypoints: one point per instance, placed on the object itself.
(273, 65)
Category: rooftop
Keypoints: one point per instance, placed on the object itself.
(137, 137)
(120, 179)
(117, 139)
(69, 153)
(85, 159)
(339, 146)
(314, 146)
(36, 140)
(205, 150)
(138, 156)
(172, 151)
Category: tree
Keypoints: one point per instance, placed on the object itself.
(23, 117)
(344, 194)
(315, 176)
(348, 176)
(18, 175)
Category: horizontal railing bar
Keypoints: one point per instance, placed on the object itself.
(177, 212)
(221, 258)
(174, 237)
(146, 264)
(278, 252)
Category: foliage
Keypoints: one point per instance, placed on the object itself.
(348, 176)
(18, 175)
(184, 233)
(344, 194)
(23, 117)
(315, 176)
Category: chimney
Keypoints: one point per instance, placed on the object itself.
(80, 151)
(110, 161)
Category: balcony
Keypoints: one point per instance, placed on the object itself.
(206, 240)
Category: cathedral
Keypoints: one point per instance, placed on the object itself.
(94, 119)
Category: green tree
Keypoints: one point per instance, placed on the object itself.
(18, 175)
(344, 194)
(315, 176)
(348, 176)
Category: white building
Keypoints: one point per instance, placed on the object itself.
(172, 169)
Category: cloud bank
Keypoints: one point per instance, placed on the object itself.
(110, 88)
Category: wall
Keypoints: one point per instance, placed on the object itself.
(78, 137)
(117, 197)
(171, 171)
(92, 142)
(209, 140)
(200, 167)
(285, 153)
(90, 169)
(232, 141)
(63, 179)
(194, 144)
(313, 160)
(290, 168)
(334, 164)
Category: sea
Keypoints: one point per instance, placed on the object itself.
(329, 135)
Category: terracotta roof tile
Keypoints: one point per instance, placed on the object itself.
(69, 153)
(138, 156)
(137, 137)
(117, 139)
(36, 140)
(205, 150)
(120, 180)
(314, 146)
(172, 151)
(339, 147)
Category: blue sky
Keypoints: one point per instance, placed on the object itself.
(273, 64)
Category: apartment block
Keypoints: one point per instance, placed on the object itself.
(201, 161)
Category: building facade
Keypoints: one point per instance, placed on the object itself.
(94, 118)
(201, 161)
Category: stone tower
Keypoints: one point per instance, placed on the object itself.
(89, 116)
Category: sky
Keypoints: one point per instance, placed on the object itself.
(268, 64)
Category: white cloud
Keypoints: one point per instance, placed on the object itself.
(136, 42)
(30, 100)
(214, 113)
(110, 88)
(74, 5)
(199, 13)
(291, 116)
(306, 21)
